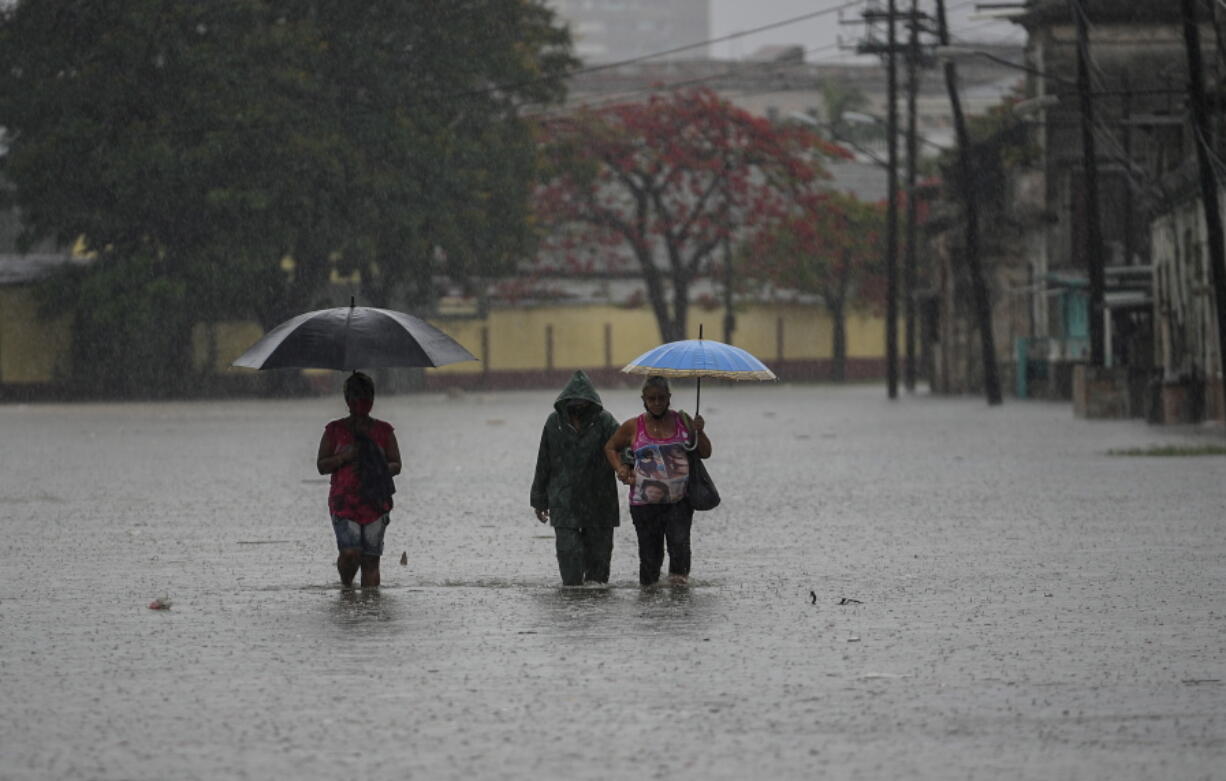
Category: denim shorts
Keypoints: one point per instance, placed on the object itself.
(368, 537)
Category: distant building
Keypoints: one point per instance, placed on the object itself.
(1156, 310)
(778, 85)
(614, 30)
(1155, 322)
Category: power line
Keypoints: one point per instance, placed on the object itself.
(612, 99)
(497, 88)
(502, 87)
(615, 98)
(1080, 10)
(720, 39)
(650, 56)
(1218, 164)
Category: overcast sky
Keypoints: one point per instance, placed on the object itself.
(821, 33)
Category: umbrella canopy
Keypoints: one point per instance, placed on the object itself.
(351, 337)
(700, 358)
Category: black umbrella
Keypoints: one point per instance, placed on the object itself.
(351, 337)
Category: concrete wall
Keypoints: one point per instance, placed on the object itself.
(1185, 317)
(1185, 314)
(32, 351)
(517, 346)
(578, 336)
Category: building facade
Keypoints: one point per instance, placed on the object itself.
(1160, 357)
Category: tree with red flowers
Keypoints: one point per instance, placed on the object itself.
(830, 245)
(667, 181)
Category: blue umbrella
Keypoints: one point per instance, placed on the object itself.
(699, 358)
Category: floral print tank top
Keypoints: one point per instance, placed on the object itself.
(661, 466)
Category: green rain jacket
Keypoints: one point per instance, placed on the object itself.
(573, 480)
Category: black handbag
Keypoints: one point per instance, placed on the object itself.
(376, 485)
(699, 487)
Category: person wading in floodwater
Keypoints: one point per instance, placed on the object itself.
(573, 487)
(658, 504)
(362, 455)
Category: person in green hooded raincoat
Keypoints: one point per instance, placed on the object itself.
(574, 488)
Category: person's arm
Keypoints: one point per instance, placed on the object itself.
(539, 496)
(326, 461)
(620, 440)
(392, 453)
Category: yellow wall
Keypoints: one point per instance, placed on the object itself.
(805, 332)
(233, 339)
(31, 350)
(517, 336)
(866, 336)
(34, 351)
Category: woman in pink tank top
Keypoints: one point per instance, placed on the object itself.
(659, 440)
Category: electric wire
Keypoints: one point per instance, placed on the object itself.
(612, 99)
(739, 34)
(1218, 164)
(503, 87)
(580, 71)
(750, 69)
(1100, 129)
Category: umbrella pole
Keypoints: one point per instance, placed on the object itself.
(698, 398)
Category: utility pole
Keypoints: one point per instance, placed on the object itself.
(983, 306)
(890, 52)
(891, 230)
(1094, 234)
(909, 260)
(1208, 182)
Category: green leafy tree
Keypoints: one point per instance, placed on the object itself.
(207, 142)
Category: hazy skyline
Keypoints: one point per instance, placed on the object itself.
(822, 33)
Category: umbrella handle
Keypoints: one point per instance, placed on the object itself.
(691, 444)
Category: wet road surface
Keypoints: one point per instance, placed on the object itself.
(1026, 605)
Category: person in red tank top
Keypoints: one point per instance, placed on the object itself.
(361, 454)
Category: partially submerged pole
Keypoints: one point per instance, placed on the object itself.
(909, 259)
(1094, 233)
(891, 228)
(983, 306)
(1208, 182)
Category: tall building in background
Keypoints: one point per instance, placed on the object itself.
(612, 30)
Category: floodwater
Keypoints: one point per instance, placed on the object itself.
(1027, 606)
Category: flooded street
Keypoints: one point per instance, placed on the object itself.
(1026, 606)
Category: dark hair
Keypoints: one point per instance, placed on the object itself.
(358, 384)
(656, 381)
